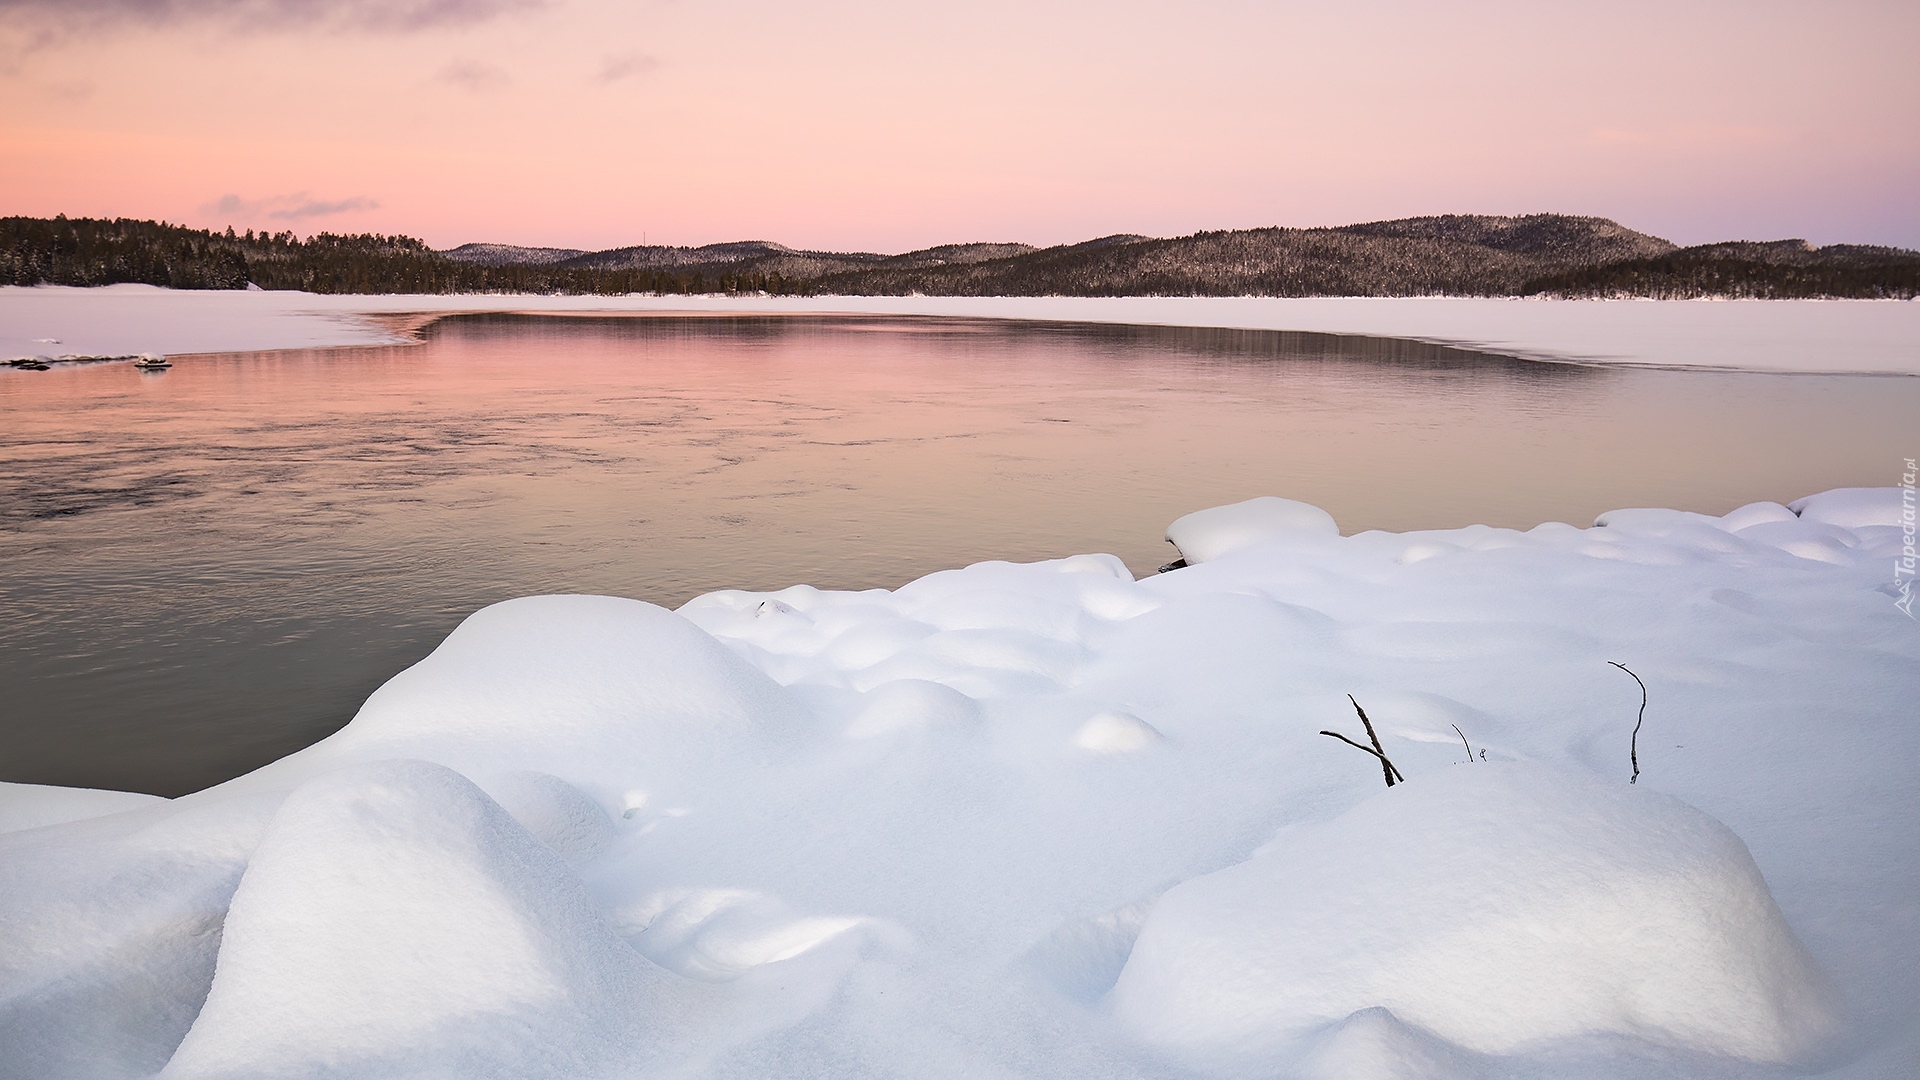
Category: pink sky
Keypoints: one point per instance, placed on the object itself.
(849, 125)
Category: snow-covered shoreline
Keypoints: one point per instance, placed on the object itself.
(1047, 820)
(1802, 336)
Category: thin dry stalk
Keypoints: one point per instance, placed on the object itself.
(1463, 741)
(1633, 747)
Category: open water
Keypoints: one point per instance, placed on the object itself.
(204, 569)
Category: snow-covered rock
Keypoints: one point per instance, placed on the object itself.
(1853, 508)
(603, 693)
(1499, 907)
(1756, 514)
(395, 921)
(1205, 535)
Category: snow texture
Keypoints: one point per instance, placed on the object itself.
(1760, 335)
(1496, 905)
(29, 806)
(1048, 820)
(395, 921)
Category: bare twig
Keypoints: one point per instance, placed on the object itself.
(1463, 741)
(1633, 748)
(1386, 767)
(1350, 742)
(1391, 774)
(1384, 763)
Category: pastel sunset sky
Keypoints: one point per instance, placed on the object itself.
(850, 124)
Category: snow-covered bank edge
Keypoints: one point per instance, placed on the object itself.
(1783, 336)
(1045, 819)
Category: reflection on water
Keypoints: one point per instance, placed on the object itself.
(209, 568)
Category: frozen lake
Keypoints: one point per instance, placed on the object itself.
(209, 568)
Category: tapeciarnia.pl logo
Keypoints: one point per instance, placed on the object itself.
(1903, 566)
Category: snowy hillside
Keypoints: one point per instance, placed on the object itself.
(1047, 820)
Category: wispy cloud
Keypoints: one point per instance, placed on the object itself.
(364, 15)
(298, 206)
(472, 76)
(625, 66)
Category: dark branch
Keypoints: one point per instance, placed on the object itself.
(1386, 767)
(1355, 745)
(1633, 749)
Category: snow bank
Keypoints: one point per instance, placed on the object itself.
(1757, 335)
(29, 806)
(1498, 906)
(619, 697)
(1045, 819)
(394, 921)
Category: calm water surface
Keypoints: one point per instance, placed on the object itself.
(205, 569)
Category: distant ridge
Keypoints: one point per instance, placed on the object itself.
(1453, 255)
(656, 257)
(510, 255)
(764, 256)
(1447, 255)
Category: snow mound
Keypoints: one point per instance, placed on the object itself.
(604, 693)
(1759, 513)
(1501, 907)
(912, 704)
(1853, 508)
(1116, 733)
(30, 806)
(1205, 535)
(395, 921)
(1654, 521)
(558, 814)
(1373, 1044)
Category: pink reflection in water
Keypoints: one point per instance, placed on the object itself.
(210, 567)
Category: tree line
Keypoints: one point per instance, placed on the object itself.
(1450, 255)
(1688, 275)
(96, 251)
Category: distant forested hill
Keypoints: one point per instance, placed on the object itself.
(91, 251)
(1451, 255)
(1780, 270)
